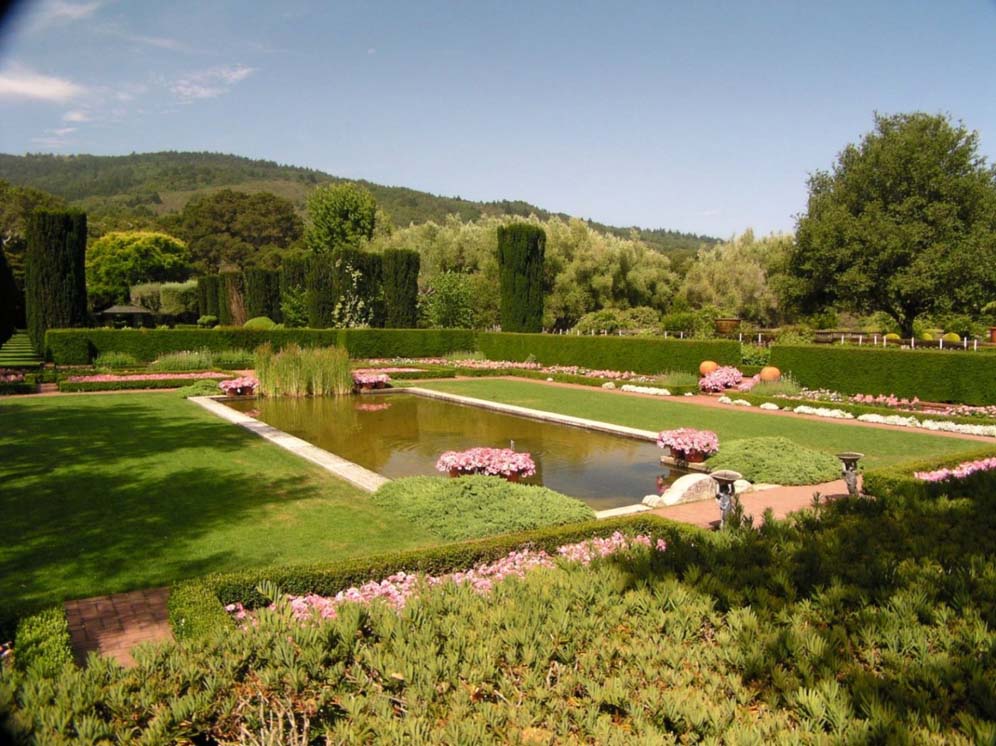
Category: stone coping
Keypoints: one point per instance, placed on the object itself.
(358, 476)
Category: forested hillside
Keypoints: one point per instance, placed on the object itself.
(138, 187)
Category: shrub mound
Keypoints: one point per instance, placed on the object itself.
(262, 323)
(478, 506)
(776, 461)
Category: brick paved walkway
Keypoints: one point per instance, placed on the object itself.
(113, 625)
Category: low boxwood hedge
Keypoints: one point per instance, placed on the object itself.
(42, 642)
(898, 483)
(648, 355)
(154, 383)
(198, 602)
(964, 377)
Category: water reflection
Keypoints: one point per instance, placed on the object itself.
(401, 435)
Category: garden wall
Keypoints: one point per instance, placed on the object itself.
(963, 377)
(638, 354)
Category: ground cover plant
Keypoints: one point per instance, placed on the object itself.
(776, 461)
(477, 506)
(116, 492)
(881, 447)
(863, 622)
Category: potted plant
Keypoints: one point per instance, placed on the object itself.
(498, 462)
(368, 381)
(242, 386)
(688, 444)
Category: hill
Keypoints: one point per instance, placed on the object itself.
(141, 186)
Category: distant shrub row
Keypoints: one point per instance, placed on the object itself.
(964, 377)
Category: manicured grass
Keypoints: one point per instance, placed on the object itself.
(115, 492)
(880, 446)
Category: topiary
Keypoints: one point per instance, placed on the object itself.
(207, 320)
(776, 461)
(926, 337)
(260, 323)
(951, 337)
(892, 337)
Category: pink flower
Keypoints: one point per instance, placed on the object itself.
(722, 378)
(370, 379)
(244, 386)
(688, 439)
(491, 461)
(110, 377)
(961, 471)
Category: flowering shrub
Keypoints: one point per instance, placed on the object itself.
(653, 390)
(835, 414)
(8, 375)
(397, 589)
(933, 425)
(371, 380)
(498, 365)
(961, 471)
(242, 386)
(687, 439)
(503, 462)
(722, 378)
(748, 383)
(111, 378)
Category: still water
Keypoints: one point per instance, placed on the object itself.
(401, 435)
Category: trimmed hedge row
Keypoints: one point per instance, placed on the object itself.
(638, 354)
(194, 605)
(154, 383)
(42, 642)
(964, 377)
(81, 346)
(898, 483)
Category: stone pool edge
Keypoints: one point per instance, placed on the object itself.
(356, 475)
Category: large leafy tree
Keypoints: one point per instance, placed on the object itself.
(119, 260)
(229, 229)
(340, 216)
(905, 223)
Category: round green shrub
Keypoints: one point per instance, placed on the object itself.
(926, 337)
(477, 506)
(776, 461)
(260, 323)
(892, 337)
(207, 320)
(951, 337)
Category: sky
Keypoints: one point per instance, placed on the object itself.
(694, 115)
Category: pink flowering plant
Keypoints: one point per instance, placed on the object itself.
(370, 380)
(397, 589)
(8, 375)
(112, 378)
(242, 386)
(499, 462)
(687, 440)
(721, 379)
(961, 471)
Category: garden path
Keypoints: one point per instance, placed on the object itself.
(113, 625)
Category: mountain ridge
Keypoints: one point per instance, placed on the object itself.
(148, 185)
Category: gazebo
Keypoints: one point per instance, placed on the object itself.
(126, 315)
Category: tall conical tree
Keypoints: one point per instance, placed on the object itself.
(521, 247)
(54, 272)
(400, 267)
(9, 293)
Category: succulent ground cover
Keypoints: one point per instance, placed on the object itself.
(863, 622)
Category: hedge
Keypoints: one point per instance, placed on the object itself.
(207, 295)
(647, 355)
(42, 643)
(196, 610)
(931, 375)
(898, 483)
(9, 293)
(81, 346)
(521, 249)
(400, 269)
(151, 383)
(262, 294)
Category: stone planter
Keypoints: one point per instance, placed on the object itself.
(691, 457)
(514, 477)
(727, 326)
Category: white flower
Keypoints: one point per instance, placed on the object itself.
(725, 400)
(645, 390)
(769, 405)
(837, 414)
(742, 403)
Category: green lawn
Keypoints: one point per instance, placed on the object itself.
(115, 492)
(880, 446)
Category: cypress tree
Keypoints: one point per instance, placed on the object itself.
(54, 272)
(231, 299)
(207, 295)
(400, 267)
(262, 293)
(520, 268)
(9, 293)
(345, 289)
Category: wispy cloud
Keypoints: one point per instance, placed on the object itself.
(18, 82)
(54, 139)
(60, 11)
(162, 42)
(211, 83)
(76, 115)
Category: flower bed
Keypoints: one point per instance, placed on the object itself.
(500, 462)
(371, 380)
(961, 471)
(398, 588)
(725, 377)
(242, 386)
(111, 382)
(689, 444)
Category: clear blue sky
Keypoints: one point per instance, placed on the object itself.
(694, 115)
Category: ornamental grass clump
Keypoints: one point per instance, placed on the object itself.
(114, 360)
(293, 371)
(184, 361)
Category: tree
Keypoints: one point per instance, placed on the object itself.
(54, 272)
(9, 293)
(229, 229)
(520, 262)
(449, 301)
(401, 268)
(346, 290)
(117, 261)
(905, 224)
(340, 216)
(16, 206)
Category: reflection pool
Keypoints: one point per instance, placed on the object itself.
(401, 435)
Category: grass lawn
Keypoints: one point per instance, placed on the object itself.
(115, 492)
(880, 446)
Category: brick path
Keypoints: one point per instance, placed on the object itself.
(113, 625)
(781, 500)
